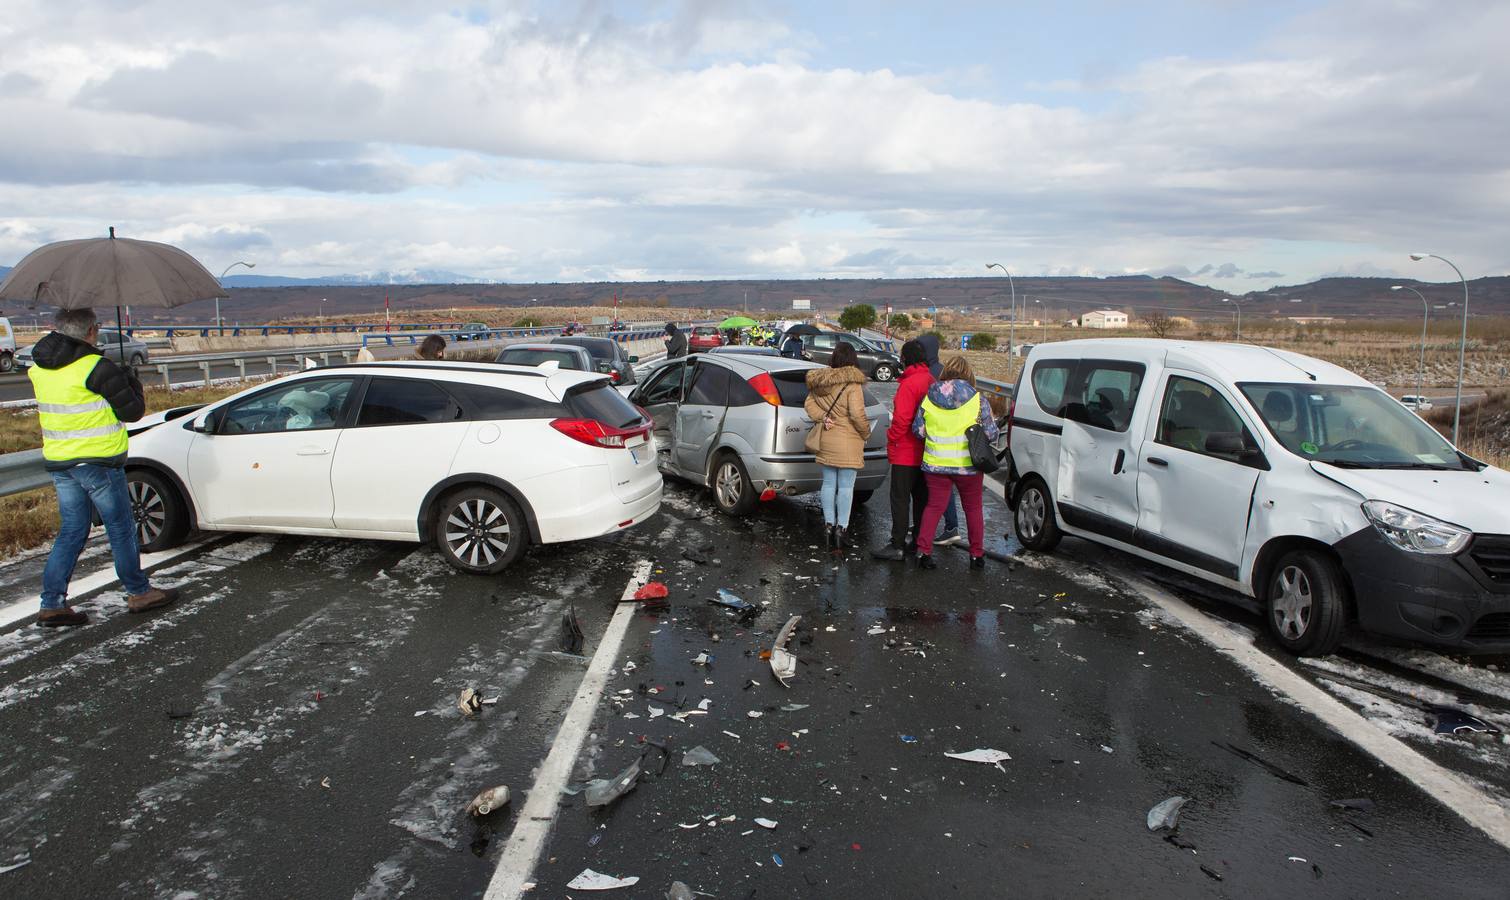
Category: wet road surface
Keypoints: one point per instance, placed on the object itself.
(301, 768)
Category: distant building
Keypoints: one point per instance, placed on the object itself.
(805, 305)
(1104, 318)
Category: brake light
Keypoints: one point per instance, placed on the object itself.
(614, 376)
(591, 431)
(765, 386)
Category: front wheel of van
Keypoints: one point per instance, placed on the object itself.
(1307, 603)
(1037, 528)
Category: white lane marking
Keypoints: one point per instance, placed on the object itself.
(29, 606)
(1476, 807)
(534, 823)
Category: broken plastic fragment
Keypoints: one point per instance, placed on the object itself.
(601, 792)
(704, 703)
(651, 591)
(656, 712)
(793, 707)
(15, 865)
(571, 631)
(1166, 814)
(1455, 721)
(596, 881)
(470, 702)
(1362, 804)
(699, 756)
(908, 739)
(754, 713)
(679, 891)
(989, 757)
(702, 659)
(766, 823)
(728, 599)
(489, 800)
(783, 663)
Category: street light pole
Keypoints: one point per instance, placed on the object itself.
(1012, 328)
(220, 325)
(1425, 316)
(1457, 412)
(1239, 304)
(1044, 319)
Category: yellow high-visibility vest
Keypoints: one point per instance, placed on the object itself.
(944, 445)
(76, 422)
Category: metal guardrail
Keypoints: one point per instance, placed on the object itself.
(494, 334)
(266, 330)
(21, 472)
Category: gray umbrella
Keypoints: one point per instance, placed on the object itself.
(802, 328)
(111, 271)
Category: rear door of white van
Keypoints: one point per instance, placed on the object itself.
(1104, 415)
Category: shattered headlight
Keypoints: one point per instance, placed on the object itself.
(1414, 532)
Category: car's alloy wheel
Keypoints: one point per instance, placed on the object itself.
(7, 362)
(158, 512)
(1307, 602)
(1034, 518)
(1030, 515)
(480, 530)
(732, 490)
(138, 360)
(1292, 603)
(884, 373)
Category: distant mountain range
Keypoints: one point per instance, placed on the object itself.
(410, 276)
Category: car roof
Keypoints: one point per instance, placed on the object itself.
(527, 379)
(581, 340)
(1237, 363)
(546, 347)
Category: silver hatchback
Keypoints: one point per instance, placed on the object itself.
(735, 423)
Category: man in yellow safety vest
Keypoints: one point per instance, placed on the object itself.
(82, 401)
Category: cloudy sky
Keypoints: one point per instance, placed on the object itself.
(1238, 144)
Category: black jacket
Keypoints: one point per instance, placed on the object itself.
(119, 386)
(676, 343)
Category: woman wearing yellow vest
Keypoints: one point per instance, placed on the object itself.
(836, 404)
(951, 407)
(82, 399)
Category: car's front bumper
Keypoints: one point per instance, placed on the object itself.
(1451, 601)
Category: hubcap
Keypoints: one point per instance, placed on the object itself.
(147, 511)
(1030, 513)
(1292, 602)
(729, 485)
(477, 532)
(883, 373)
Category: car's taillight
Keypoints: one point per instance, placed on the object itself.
(591, 431)
(614, 376)
(765, 386)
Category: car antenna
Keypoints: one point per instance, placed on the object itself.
(1290, 363)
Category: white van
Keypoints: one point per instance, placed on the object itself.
(1288, 479)
(7, 345)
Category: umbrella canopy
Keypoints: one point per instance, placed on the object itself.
(109, 272)
(737, 322)
(802, 328)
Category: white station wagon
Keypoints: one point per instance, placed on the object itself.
(1283, 477)
(481, 460)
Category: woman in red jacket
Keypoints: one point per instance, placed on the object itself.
(904, 451)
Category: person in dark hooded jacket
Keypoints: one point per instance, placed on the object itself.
(83, 399)
(676, 342)
(950, 534)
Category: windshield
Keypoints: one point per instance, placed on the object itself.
(536, 357)
(1352, 427)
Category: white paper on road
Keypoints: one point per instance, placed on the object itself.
(989, 757)
(597, 881)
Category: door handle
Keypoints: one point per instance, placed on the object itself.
(708, 414)
(1117, 466)
(312, 451)
(1156, 461)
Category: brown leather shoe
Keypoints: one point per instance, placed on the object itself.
(152, 599)
(67, 617)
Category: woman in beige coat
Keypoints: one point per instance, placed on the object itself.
(836, 404)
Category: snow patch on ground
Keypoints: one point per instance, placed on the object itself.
(1474, 677)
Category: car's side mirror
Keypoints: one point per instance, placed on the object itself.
(634, 359)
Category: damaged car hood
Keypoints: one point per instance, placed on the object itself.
(1477, 501)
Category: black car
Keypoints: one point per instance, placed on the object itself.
(882, 365)
(609, 355)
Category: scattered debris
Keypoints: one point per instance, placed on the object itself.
(754, 714)
(325, 782)
(571, 631)
(470, 702)
(1166, 814)
(908, 739)
(1299, 859)
(876, 629)
(1362, 804)
(1211, 872)
(1106, 749)
(1455, 721)
(679, 891)
(656, 712)
(793, 707)
(702, 659)
(601, 792)
(699, 756)
(596, 881)
(727, 598)
(783, 663)
(629, 666)
(692, 554)
(766, 823)
(24, 861)
(654, 590)
(1272, 769)
(489, 800)
(989, 757)
(179, 709)
(776, 858)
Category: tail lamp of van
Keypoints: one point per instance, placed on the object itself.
(595, 433)
(765, 386)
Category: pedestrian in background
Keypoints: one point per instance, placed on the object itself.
(904, 450)
(432, 347)
(836, 404)
(82, 401)
(791, 346)
(950, 534)
(676, 342)
(952, 406)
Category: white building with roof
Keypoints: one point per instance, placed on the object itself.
(1104, 318)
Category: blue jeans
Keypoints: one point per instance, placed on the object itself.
(838, 495)
(78, 488)
(951, 512)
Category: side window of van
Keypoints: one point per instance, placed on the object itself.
(1051, 378)
(1193, 411)
(1109, 390)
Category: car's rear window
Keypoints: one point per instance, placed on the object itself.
(792, 386)
(536, 357)
(599, 349)
(497, 404)
(705, 329)
(602, 403)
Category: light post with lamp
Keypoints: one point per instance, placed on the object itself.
(220, 325)
(1011, 328)
(1425, 316)
(1457, 410)
(1239, 304)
